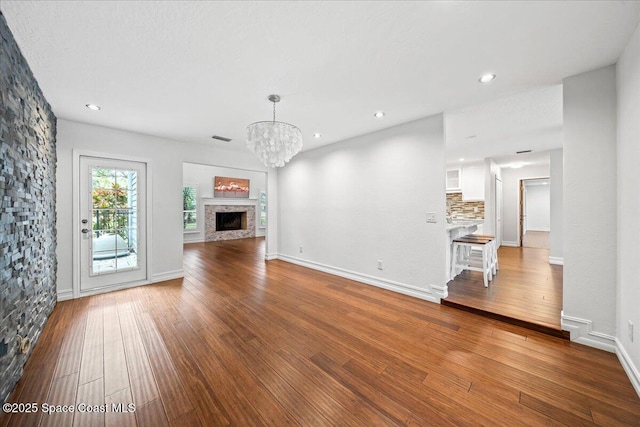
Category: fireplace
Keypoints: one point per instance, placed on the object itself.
(226, 221)
(221, 222)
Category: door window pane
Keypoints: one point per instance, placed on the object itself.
(114, 220)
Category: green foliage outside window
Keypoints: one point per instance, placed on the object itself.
(189, 207)
(112, 212)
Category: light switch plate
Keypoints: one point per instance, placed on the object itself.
(431, 217)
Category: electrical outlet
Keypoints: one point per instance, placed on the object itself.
(630, 331)
(379, 264)
(431, 217)
(300, 248)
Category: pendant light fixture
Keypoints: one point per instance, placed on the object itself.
(275, 143)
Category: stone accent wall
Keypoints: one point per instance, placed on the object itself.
(459, 209)
(27, 209)
(210, 233)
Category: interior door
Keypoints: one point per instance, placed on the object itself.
(112, 223)
(498, 212)
(521, 212)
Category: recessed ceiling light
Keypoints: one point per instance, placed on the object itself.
(379, 114)
(461, 159)
(486, 78)
(93, 107)
(317, 135)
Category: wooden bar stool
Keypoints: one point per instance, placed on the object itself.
(462, 258)
(494, 249)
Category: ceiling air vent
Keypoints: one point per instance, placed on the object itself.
(221, 138)
(523, 151)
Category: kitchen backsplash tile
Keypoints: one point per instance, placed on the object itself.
(458, 208)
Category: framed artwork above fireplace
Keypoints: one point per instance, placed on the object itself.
(230, 188)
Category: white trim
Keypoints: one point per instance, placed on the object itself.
(582, 332)
(269, 257)
(117, 287)
(67, 294)
(432, 293)
(167, 275)
(161, 277)
(628, 366)
(212, 201)
(510, 243)
(200, 240)
(556, 260)
(75, 249)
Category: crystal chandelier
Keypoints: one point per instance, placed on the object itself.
(275, 143)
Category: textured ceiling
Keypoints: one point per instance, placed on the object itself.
(188, 70)
(498, 129)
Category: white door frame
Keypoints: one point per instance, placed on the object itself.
(77, 235)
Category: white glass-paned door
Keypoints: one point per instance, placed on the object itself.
(112, 212)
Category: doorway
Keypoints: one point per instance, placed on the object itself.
(534, 213)
(112, 223)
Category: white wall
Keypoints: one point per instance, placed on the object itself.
(556, 161)
(511, 199)
(538, 207)
(590, 207)
(365, 199)
(202, 176)
(166, 157)
(628, 215)
(491, 172)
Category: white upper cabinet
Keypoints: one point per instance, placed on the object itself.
(453, 180)
(472, 183)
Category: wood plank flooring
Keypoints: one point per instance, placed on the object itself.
(536, 239)
(244, 342)
(527, 291)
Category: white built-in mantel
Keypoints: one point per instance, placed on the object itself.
(226, 201)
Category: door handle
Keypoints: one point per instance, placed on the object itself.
(85, 230)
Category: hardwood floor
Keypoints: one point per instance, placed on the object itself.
(527, 290)
(245, 342)
(536, 239)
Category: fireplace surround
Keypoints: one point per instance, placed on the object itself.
(219, 226)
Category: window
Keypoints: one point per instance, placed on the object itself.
(189, 208)
(263, 209)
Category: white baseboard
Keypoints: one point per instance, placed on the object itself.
(167, 275)
(160, 277)
(581, 332)
(512, 244)
(556, 260)
(64, 295)
(433, 293)
(628, 366)
(185, 241)
(269, 257)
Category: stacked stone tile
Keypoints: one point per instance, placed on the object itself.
(27, 209)
(212, 235)
(458, 208)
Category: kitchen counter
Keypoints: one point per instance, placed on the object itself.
(463, 223)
